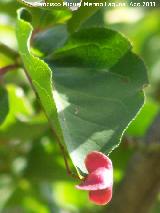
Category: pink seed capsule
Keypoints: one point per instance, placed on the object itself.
(101, 197)
(99, 181)
(95, 160)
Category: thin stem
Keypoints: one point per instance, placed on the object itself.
(61, 146)
(11, 67)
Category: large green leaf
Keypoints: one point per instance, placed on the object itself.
(98, 86)
(99, 83)
(4, 108)
(97, 104)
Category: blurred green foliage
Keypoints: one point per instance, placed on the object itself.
(33, 177)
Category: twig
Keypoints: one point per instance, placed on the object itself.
(62, 148)
(11, 67)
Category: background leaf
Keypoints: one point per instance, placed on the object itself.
(20, 119)
(42, 40)
(80, 16)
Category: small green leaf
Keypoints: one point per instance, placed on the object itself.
(4, 105)
(38, 71)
